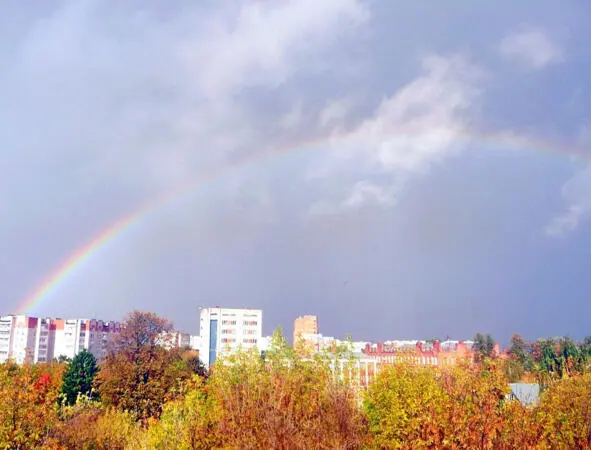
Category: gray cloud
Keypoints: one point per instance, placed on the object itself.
(106, 105)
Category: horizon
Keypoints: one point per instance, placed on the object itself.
(503, 341)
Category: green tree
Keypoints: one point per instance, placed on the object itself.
(79, 377)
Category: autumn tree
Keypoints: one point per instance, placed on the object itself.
(425, 407)
(28, 404)
(79, 377)
(565, 413)
(193, 362)
(559, 358)
(403, 405)
(484, 346)
(281, 401)
(139, 374)
(90, 425)
(519, 361)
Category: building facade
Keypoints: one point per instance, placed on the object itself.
(175, 339)
(305, 329)
(422, 353)
(32, 339)
(225, 330)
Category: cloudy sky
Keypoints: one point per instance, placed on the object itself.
(401, 169)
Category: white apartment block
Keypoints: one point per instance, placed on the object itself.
(32, 339)
(71, 336)
(225, 330)
(21, 336)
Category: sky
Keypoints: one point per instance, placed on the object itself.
(400, 169)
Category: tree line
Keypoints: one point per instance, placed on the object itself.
(144, 396)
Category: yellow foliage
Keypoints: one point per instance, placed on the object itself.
(90, 425)
(565, 413)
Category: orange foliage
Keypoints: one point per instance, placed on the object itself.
(88, 425)
(28, 404)
(139, 375)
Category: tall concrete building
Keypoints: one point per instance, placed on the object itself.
(224, 330)
(305, 328)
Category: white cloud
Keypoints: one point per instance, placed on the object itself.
(265, 42)
(576, 192)
(367, 192)
(531, 47)
(165, 94)
(419, 125)
(334, 112)
(566, 222)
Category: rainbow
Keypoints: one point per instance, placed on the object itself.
(77, 259)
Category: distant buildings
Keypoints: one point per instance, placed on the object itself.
(369, 357)
(425, 353)
(224, 330)
(305, 329)
(40, 339)
(175, 339)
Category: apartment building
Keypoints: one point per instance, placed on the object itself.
(32, 339)
(71, 336)
(19, 337)
(6, 333)
(224, 330)
(43, 344)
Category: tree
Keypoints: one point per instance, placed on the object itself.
(401, 404)
(193, 363)
(559, 358)
(425, 407)
(520, 360)
(89, 425)
(79, 377)
(283, 401)
(138, 374)
(565, 413)
(517, 347)
(484, 346)
(28, 404)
